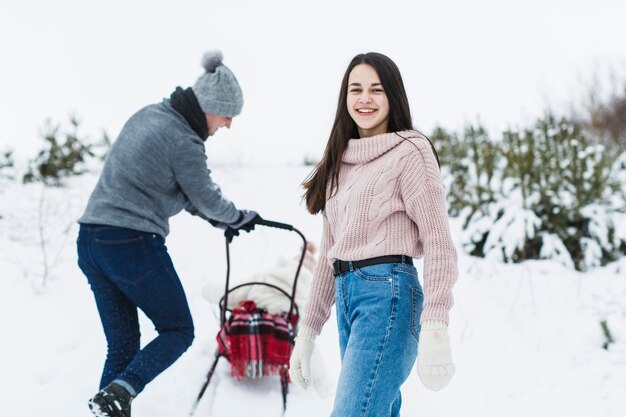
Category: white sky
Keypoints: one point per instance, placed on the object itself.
(501, 61)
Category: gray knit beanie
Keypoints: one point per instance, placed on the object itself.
(217, 90)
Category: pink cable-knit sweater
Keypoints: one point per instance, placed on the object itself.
(390, 201)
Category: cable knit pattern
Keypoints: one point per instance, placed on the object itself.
(390, 201)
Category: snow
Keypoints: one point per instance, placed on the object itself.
(526, 338)
(552, 247)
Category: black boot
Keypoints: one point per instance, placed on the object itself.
(112, 401)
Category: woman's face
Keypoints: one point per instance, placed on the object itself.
(367, 102)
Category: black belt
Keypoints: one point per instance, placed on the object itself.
(339, 267)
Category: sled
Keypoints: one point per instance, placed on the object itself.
(282, 327)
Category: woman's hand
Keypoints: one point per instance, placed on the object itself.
(300, 363)
(434, 359)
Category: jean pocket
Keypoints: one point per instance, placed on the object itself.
(417, 303)
(379, 272)
(126, 259)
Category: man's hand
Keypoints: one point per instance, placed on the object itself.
(246, 221)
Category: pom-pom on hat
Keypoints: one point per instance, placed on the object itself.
(217, 90)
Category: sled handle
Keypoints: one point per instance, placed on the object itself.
(277, 225)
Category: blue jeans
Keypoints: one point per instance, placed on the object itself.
(127, 270)
(378, 315)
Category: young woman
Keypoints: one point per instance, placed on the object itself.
(380, 192)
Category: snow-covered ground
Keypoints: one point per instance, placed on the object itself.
(526, 338)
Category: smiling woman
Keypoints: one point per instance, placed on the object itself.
(383, 203)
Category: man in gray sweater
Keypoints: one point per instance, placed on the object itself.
(155, 168)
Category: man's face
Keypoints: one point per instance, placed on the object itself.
(215, 122)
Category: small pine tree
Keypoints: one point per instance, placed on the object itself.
(66, 154)
(484, 157)
(471, 164)
(453, 158)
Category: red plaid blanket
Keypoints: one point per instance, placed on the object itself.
(255, 342)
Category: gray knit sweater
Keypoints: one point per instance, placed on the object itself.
(156, 168)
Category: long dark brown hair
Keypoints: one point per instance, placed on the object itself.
(344, 128)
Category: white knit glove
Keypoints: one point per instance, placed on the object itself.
(300, 363)
(434, 359)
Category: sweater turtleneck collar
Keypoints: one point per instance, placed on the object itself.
(363, 150)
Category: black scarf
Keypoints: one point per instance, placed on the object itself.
(186, 103)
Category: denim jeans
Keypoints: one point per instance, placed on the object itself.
(127, 270)
(378, 315)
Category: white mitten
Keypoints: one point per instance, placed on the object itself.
(300, 363)
(434, 359)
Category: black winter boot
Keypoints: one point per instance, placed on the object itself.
(112, 401)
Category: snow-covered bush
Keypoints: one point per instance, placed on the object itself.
(65, 154)
(546, 192)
